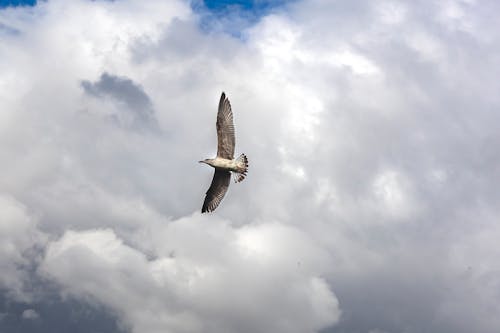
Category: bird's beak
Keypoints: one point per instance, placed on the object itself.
(201, 161)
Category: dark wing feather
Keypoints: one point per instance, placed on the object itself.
(217, 190)
(225, 129)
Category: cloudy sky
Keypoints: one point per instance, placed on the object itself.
(372, 202)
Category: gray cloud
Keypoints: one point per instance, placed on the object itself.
(56, 314)
(371, 202)
(8, 30)
(134, 107)
(30, 314)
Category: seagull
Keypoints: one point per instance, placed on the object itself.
(224, 163)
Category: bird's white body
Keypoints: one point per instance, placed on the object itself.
(235, 165)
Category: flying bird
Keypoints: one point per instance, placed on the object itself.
(224, 163)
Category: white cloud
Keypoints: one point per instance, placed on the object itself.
(18, 238)
(392, 12)
(393, 195)
(204, 277)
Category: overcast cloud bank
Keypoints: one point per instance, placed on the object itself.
(371, 128)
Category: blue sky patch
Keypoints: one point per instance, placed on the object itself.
(255, 5)
(7, 3)
(233, 16)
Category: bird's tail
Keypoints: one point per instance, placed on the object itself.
(242, 162)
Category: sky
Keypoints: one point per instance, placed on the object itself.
(371, 204)
(13, 3)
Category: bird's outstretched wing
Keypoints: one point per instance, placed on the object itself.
(217, 190)
(225, 129)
